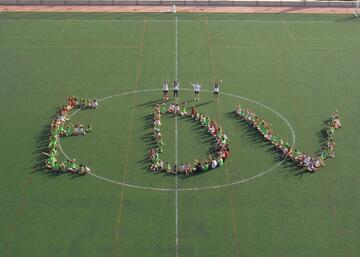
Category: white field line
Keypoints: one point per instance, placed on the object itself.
(213, 47)
(328, 39)
(61, 34)
(291, 36)
(281, 48)
(128, 93)
(171, 20)
(200, 188)
(176, 195)
(176, 153)
(71, 46)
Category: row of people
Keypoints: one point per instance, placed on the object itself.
(157, 127)
(82, 103)
(333, 123)
(70, 130)
(57, 129)
(220, 147)
(153, 154)
(196, 86)
(70, 166)
(311, 163)
(187, 168)
(57, 124)
(181, 109)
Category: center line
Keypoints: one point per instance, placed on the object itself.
(176, 196)
(176, 157)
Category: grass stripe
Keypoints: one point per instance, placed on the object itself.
(64, 28)
(281, 48)
(231, 202)
(126, 165)
(71, 46)
(176, 151)
(19, 210)
(210, 52)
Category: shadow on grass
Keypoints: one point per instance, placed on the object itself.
(42, 140)
(204, 103)
(39, 167)
(201, 133)
(349, 17)
(151, 103)
(291, 169)
(288, 165)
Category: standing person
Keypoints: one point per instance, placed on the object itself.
(165, 90)
(197, 88)
(216, 90)
(176, 85)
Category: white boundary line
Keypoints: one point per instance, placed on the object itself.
(61, 34)
(214, 47)
(176, 151)
(193, 188)
(70, 46)
(166, 20)
(282, 47)
(291, 36)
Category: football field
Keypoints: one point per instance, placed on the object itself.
(293, 70)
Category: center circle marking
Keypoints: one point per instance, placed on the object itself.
(192, 188)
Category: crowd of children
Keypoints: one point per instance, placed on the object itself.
(220, 149)
(58, 128)
(311, 163)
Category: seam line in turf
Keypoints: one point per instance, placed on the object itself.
(176, 151)
(231, 202)
(138, 73)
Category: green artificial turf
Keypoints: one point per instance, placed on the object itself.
(301, 66)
